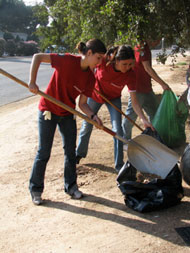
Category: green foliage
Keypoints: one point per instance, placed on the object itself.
(15, 16)
(8, 36)
(26, 49)
(10, 47)
(161, 57)
(181, 63)
(112, 21)
(2, 47)
(17, 39)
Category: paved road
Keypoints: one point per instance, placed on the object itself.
(10, 91)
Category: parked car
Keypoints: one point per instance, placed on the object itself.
(55, 49)
(174, 47)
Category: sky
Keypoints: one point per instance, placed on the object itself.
(32, 2)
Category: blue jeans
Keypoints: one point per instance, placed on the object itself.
(149, 102)
(86, 131)
(67, 128)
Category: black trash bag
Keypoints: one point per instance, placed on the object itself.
(185, 164)
(127, 173)
(155, 195)
(152, 133)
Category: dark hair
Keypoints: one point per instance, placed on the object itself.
(123, 52)
(96, 45)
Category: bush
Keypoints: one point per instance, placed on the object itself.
(10, 47)
(2, 47)
(26, 49)
(8, 36)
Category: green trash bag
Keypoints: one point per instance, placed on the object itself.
(170, 118)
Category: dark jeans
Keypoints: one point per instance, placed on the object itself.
(67, 128)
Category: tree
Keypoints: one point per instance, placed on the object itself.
(117, 21)
(2, 47)
(8, 36)
(10, 47)
(26, 49)
(15, 16)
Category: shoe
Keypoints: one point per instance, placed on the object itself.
(78, 158)
(77, 194)
(36, 198)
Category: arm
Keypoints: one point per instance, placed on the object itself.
(87, 110)
(148, 68)
(36, 61)
(137, 108)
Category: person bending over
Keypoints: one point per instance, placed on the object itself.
(115, 71)
(73, 76)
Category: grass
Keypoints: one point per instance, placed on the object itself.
(181, 63)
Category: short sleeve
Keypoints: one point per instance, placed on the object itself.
(58, 60)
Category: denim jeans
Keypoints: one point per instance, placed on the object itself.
(67, 129)
(149, 102)
(86, 131)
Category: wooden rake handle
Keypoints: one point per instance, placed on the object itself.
(117, 109)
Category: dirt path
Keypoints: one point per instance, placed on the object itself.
(100, 222)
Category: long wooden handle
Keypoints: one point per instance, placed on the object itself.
(116, 108)
(66, 107)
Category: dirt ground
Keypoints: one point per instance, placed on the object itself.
(100, 222)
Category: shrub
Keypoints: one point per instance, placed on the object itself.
(8, 36)
(2, 47)
(26, 49)
(10, 47)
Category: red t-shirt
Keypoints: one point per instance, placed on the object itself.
(143, 79)
(111, 83)
(67, 82)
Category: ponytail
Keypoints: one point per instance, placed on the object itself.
(96, 45)
(81, 47)
(119, 53)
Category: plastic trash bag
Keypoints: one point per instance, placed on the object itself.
(155, 195)
(185, 164)
(170, 118)
(152, 133)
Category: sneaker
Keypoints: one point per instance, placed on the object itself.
(77, 194)
(78, 158)
(36, 198)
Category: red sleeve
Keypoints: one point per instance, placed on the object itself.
(57, 60)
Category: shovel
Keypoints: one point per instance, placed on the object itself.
(143, 150)
(143, 164)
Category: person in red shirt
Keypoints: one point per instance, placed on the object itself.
(73, 76)
(144, 92)
(112, 75)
